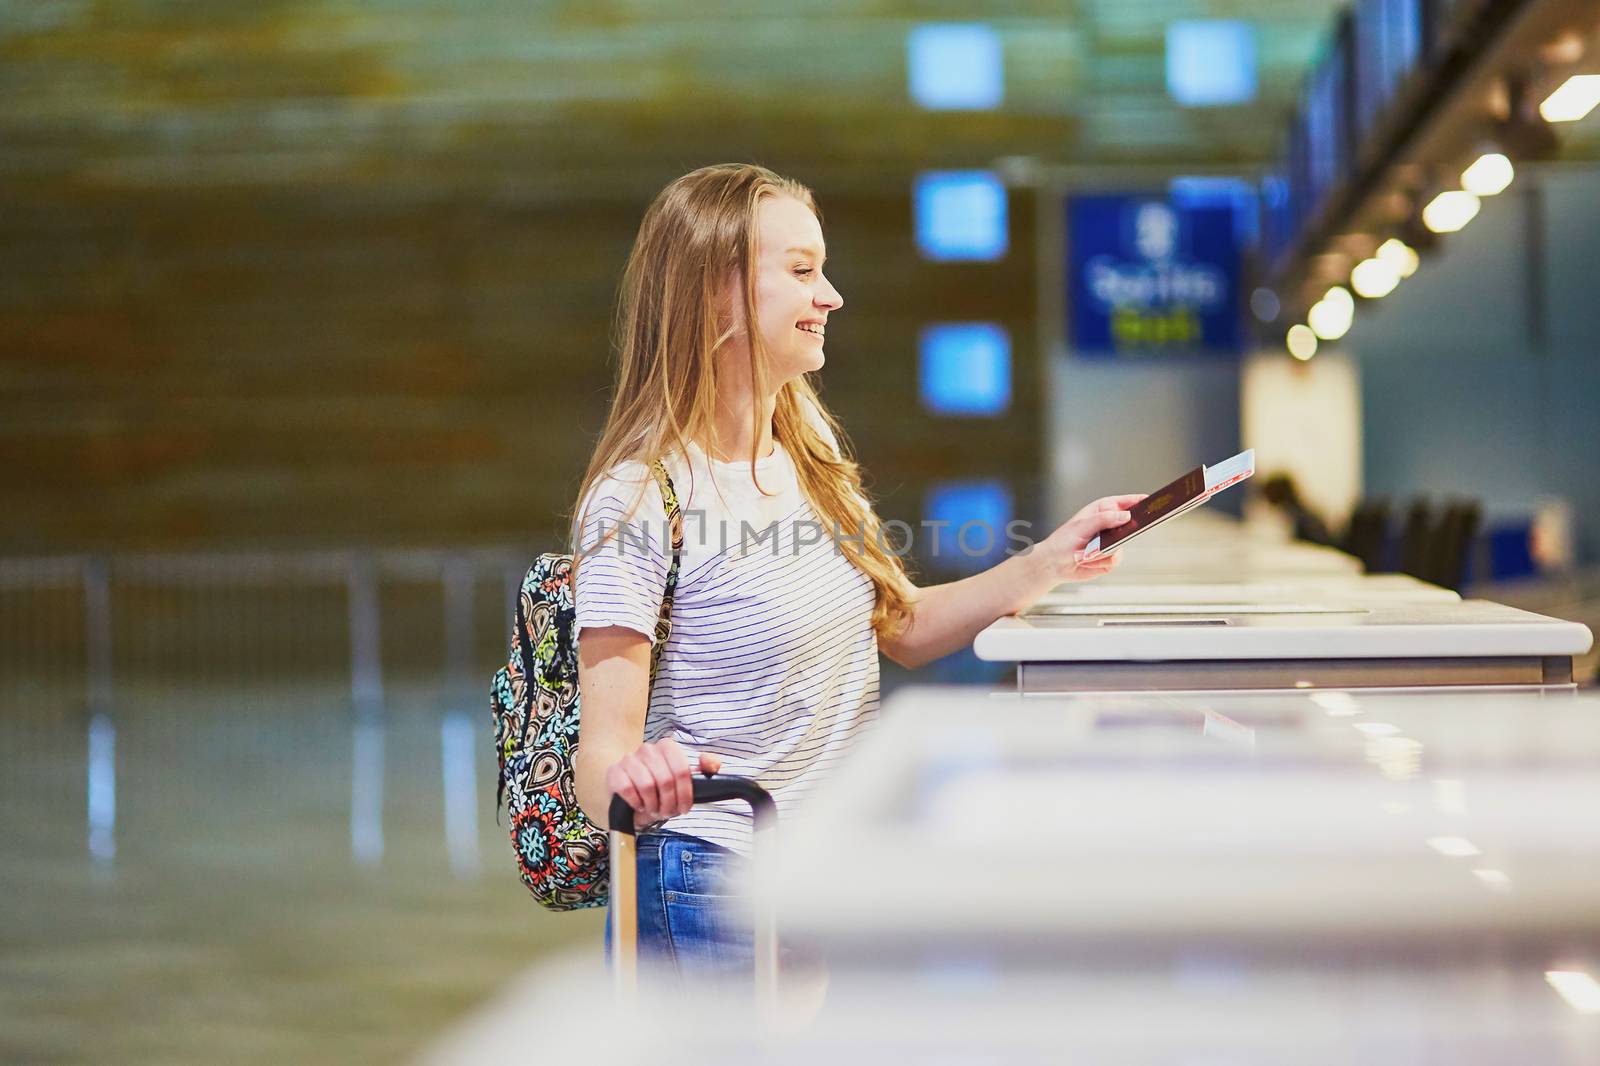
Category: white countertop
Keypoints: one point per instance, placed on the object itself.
(1331, 588)
(1322, 878)
(1328, 630)
(1194, 1008)
(1324, 818)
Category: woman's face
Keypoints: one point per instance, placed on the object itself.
(793, 298)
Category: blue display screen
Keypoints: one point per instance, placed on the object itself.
(965, 369)
(955, 66)
(1146, 276)
(960, 215)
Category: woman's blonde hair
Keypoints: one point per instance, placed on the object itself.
(670, 323)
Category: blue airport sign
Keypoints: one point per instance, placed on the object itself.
(1146, 276)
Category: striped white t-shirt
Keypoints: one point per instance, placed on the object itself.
(773, 662)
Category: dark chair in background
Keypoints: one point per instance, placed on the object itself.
(1366, 536)
(1435, 544)
(1416, 540)
(1450, 547)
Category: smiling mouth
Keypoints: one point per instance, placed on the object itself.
(811, 327)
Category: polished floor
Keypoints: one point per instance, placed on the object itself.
(244, 819)
(207, 875)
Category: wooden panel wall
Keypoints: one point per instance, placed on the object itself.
(217, 369)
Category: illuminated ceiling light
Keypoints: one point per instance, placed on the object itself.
(1330, 319)
(1340, 299)
(1489, 175)
(1302, 342)
(1454, 847)
(1374, 279)
(1580, 990)
(1399, 255)
(1450, 211)
(1575, 99)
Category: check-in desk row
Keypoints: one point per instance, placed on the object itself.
(1315, 877)
(1234, 611)
(1246, 805)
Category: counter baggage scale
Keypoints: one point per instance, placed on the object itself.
(1326, 642)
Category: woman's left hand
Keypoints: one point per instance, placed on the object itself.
(1063, 550)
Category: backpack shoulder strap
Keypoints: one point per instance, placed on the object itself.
(669, 499)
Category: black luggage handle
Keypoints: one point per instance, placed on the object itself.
(624, 886)
(709, 788)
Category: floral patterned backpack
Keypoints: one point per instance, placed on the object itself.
(534, 704)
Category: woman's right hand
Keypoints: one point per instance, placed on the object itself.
(656, 781)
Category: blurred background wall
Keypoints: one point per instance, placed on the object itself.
(261, 367)
(1485, 381)
(328, 272)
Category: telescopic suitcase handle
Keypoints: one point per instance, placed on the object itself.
(710, 788)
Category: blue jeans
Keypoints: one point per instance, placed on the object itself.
(689, 920)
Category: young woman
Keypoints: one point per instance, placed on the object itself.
(771, 669)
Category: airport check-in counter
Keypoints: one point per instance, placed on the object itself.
(1188, 1009)
(1320, 877)
(1233, 814)
(1258, 877)
(1320, 644)
(1318, 871)
(1212, 606)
